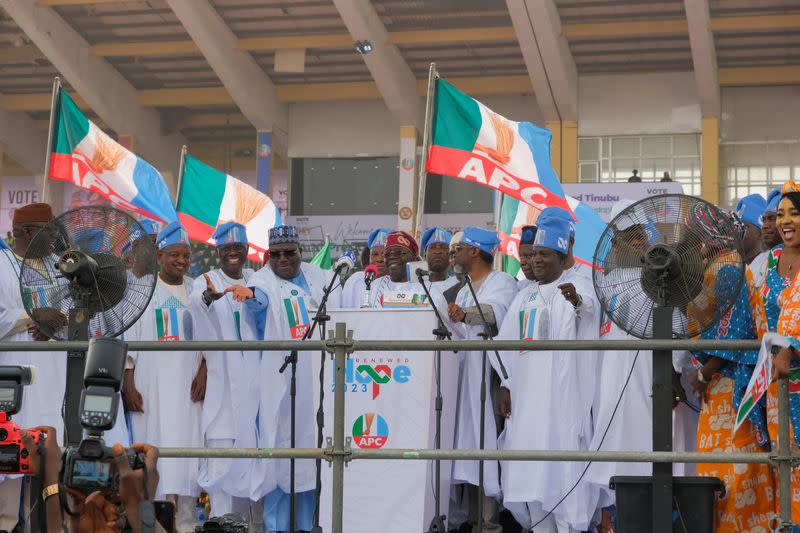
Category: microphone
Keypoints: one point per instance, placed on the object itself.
(369, 276)
(345, 264)
(370, 273)
(422, 272)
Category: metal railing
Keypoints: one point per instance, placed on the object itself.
(340, 345)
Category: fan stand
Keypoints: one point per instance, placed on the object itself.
(662, 421)
(78, 330)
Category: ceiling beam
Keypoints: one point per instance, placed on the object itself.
(108, 93)
(759, 76)
(245, 81)
(288, 93)
(392, 75)
(704, 56)
(548, 59)
(54, 3)
(21, 54)
(147, 48)
(22, 139)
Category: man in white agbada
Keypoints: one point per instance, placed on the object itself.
(229, 409)
(355, 286)
(435, 244)
(397, 290)
(547, 408)
(165, 389)
(571, 266)
(42, 400)
(474, 255)
(279, 306)
(632, 423)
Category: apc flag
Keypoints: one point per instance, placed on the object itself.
(515, 214)
(85, 156)
(762, 375)
(473, 143)
(209, 197)
(323, 258)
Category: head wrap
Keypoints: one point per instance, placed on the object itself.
(33, 213)
(791, 191)
(457, 237)
(435, 235)
(93, 240)
(710, 220)
(230, 233)
(402, 240)
(773, 200)
(527, 235)
(377, 237)
(751, 208)
(173, 233)
(284, 235)
(553, 233)
(480, 238)
(557, 212)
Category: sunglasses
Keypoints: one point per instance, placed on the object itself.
(288, 254)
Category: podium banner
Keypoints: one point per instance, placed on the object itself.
(389, 403)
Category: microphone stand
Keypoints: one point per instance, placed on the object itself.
(441, 332)
(487, 334)
(291, 359)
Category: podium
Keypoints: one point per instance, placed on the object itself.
(389, 403)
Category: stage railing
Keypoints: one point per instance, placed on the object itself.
(340, 345)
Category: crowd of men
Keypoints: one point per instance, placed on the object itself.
(538, 400)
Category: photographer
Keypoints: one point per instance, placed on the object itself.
(99, 512)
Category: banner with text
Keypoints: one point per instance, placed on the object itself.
(17, 191)
(389, 404)
(602, 196)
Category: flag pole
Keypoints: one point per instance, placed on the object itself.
(426, 141)
(50, 131)
(180, 175)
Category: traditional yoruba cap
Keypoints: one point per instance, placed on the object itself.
(618, 208)
(480, 238)
(751, 208)
(403, 240)
(527, 235)
(435, 235)
(457, 237)
(557, 212)
(230, 233)
(93, 240)
(773, 200)
(173, 233)
(284, 235)
(377, 237)
(33, 213)
(150, 227)
(553, 233)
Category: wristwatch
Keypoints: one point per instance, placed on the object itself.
(701, 377)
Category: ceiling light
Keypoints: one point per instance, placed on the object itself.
(363, 47)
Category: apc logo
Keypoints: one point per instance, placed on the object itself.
(407, 163)
(370, 430)
(363, 377)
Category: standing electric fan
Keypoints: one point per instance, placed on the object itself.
(75, 285)
(669, 266)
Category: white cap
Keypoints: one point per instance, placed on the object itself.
(618, 208)
(457, 236)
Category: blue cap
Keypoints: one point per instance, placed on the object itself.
(230, 233)
(173, 233)
(150, 227)
(751, 208)
(528, 235)
(480, 238)
(377, 237)
(435, 235)
(4, 245)
(557, 212)
(553, 233)
(284, 235)
(93, 240)
(773, 200)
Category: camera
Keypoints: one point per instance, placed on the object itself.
(90, 466)
(229, 523)
(13, 455)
